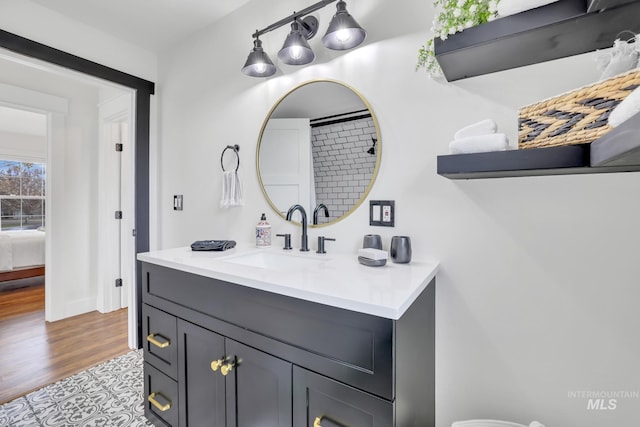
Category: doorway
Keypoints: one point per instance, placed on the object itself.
(80, 177)
(138, 123)
(30, 49)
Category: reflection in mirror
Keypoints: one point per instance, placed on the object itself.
(320, 148)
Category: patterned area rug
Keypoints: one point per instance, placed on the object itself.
(110, 394)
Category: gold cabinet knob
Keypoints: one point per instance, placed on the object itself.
(226, 368)
(216, 364)
(317, 422)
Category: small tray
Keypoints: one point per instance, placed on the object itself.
(371, 262)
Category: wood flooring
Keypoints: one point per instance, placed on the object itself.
(34, 353)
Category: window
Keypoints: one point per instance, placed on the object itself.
(22, 195)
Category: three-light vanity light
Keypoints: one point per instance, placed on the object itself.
(343, 33)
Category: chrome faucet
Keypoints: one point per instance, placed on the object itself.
(304, 245)
(316, 211)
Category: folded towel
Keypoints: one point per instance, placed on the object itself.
(511, 7)
(622, 57)
(480, 144)
(630, 106)
(231, 189)
(482, 127)
(373, 254)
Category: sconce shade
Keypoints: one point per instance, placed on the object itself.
(296, 49)
(258, 62)
(343, 32)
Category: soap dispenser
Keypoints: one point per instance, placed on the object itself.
(263, 233)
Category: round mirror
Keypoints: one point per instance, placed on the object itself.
(319, 147)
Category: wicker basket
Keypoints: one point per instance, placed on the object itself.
(576, 117)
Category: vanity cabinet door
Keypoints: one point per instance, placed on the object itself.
(319, 401)
(202, 390)
(258, 388)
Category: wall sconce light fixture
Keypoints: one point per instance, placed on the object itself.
(343, 33)
(372, 150)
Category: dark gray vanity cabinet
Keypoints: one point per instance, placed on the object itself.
(225, 383)
(224, 355)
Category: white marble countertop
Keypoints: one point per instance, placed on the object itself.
(333, 279)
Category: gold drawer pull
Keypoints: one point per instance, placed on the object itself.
(318, 420)
(160, 407)
(155, 341)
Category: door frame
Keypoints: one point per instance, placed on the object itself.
(143, 91)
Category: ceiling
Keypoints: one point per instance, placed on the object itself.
(151, 24)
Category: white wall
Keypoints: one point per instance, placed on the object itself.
(32, 21)
(538, 289)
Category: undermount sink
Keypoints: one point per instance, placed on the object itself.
(276, 261)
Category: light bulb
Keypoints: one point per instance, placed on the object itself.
(296, 52)
(261, 67)
(343, 36)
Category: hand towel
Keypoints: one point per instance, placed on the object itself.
(482, 127)
(480, 144)
(6, 253)
(511, 7)
(630, 106)
(231, 189)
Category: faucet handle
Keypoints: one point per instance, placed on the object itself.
(321, 240)
(287, 241)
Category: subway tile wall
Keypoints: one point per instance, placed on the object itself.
(342, 166)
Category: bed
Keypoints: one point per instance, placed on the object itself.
(21, 254)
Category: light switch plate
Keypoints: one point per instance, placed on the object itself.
(177, 202)
(382, 213)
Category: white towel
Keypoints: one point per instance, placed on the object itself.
(630, 106)
(482, 127)
(6, 253)
(480, 144)
(511, 7)
(231, 189)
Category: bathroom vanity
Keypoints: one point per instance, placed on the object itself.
(263, 337)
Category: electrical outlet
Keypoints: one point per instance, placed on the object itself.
(382, 213)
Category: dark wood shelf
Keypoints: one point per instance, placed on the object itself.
(595, 5)
(557, 30)
(616, 151)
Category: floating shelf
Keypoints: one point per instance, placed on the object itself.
(617, 151)
(557, 30)
(595, 5)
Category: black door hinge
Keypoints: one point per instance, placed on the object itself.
(118, 214)
(118, 283)
(118, 147)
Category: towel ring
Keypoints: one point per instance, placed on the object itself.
(630, 40)
(235, 149)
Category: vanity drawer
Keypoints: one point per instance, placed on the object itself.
(160, 340)
(160, 397)
(320, 401)
(352, 347)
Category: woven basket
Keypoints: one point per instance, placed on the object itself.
(576, 117)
